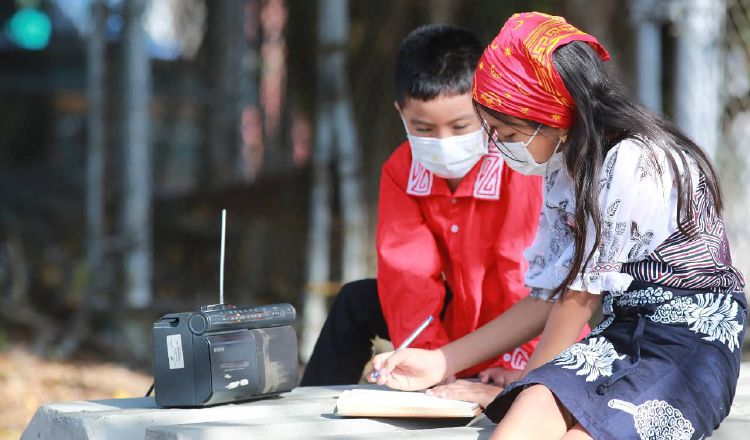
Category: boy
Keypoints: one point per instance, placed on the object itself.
(453, 221)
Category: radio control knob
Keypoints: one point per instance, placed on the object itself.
(197, 324)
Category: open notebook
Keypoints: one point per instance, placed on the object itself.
(381, 403)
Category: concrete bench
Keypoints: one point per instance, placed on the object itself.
(306, 412)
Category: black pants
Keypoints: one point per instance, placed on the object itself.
(345, 342)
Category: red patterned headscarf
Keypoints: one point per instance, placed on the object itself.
(515, 74)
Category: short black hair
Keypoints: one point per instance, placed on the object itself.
(434, 60)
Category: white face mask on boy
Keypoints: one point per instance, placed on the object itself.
(519, 158)
(450, 157)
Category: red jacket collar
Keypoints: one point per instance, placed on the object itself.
(482, 181)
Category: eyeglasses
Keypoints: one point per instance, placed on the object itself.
(498, 143)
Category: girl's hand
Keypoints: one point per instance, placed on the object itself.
(410, 369)
(480, 393)
(500, 376)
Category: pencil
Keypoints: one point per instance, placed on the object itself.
(418, 331)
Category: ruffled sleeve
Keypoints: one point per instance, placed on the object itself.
(637, 205)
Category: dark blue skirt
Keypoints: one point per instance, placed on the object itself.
(663, 364)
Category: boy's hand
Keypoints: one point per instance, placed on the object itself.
(500, 376)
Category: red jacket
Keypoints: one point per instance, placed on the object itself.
(472, 240)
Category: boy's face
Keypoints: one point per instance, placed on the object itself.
(440, 117)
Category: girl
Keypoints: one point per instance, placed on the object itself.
(630, 223)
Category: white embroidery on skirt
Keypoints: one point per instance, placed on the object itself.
(649, 295)
(592, 359)
(609, 315)
(711, 314)
(656, 420)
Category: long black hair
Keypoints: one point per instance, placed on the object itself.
(604, 116)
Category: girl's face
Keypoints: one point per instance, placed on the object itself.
(541, 145)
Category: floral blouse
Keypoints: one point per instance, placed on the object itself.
(638, 204)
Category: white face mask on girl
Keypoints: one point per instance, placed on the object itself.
(450, 157)
(518, 157)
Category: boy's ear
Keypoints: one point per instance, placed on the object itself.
(398, 107)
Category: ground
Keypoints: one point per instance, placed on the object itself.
(28, 381)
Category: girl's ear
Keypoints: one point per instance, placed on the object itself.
(564, 135)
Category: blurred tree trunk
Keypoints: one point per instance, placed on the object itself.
(732, 156)
(95, 86)
(272, 80)
(603, 19)
(647, 18)
(251, 131)
(18, 270)
(320, 210)
(225, 103)
(334, 126)
(95, 150)
(349, 149)
(136, 209)
(699, 75)
(441, 11)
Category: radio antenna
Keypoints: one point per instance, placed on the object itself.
(221, 258)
